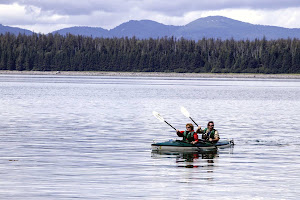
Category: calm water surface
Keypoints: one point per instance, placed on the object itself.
(82, 137)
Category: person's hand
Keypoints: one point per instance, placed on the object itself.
(193, 142)
(177, 130)
(210, 139)
(199, 127)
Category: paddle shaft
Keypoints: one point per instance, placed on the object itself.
(170, 125)
(194, 121)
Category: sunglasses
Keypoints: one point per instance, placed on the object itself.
(188, 127)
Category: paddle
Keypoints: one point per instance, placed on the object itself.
(187, 114)
(160, 118)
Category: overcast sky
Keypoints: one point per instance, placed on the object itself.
(45, 16)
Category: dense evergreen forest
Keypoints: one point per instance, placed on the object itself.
(50, 52)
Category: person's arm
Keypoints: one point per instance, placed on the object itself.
(216, 138)
(196, 140)
(179, 133)
(199, 130)
(203, 136)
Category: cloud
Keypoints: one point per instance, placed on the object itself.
(71, 7)
(166, 7)
(179, 7)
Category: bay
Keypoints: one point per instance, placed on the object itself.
(89, 137)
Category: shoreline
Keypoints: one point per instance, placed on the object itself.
(153, 74)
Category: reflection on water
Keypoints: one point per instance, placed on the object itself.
(191, 159)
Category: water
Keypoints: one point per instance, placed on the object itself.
(81, 137)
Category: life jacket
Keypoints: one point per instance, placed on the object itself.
(208, 134)
(188, 136)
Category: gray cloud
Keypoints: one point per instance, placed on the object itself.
(165, 7)
(71, 7)
(179, 7)
(6, 2)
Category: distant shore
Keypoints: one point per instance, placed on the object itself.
(154, 74)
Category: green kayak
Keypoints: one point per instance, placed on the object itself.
(179, 145)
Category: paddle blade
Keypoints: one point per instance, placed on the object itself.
(184, 111)
(158, 116)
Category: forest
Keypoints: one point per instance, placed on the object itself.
(54, 52)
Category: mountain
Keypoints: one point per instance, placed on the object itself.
(218, 27)
(143, 29)
(140, 29)
(13, 30)
(208, 27)
(84, 30)
(226, 28)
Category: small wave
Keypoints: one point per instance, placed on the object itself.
(271, 142)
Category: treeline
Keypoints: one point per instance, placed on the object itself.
(50, 52)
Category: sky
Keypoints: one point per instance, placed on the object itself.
(44, 16)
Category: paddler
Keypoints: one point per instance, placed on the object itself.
(189, 136)
(209, 134)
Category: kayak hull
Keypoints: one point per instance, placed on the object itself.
(178, 145)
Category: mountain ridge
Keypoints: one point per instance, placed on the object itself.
(217, 27)
(14, 30)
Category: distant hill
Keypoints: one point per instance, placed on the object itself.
(143, 29)
(226, 28)
(84, 30)
(208, 27)
(13, 30)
